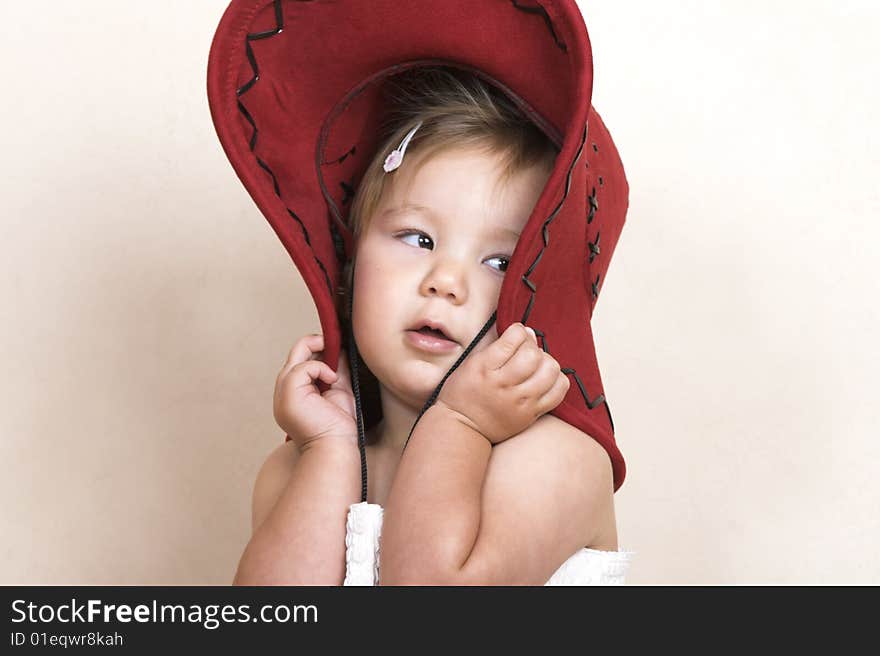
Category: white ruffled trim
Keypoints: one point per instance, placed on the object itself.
(362, 530)
(362, 554)
(594, 567)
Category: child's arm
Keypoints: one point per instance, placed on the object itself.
(436, 498)
(304, 490)
(461, 511)
(300, 507)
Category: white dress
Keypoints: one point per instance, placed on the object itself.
(364, 527)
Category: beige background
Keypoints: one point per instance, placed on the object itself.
(147, 305)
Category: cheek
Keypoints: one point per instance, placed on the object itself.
(374, 284)
(376, 301)
(367, 332)
(494, 290)
(489, 291)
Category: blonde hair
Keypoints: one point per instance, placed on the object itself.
(458, 110)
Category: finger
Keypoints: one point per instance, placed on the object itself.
(531, 332)
(541, 381)
(523, 365)
(505, 346)
(299, 381)
(306, 373)
(304, 349)
(555, 395)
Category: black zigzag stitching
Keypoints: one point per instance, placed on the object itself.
(348, 189)
(545, 231)
(593, 200)
(594, 247)
(345, 155)
(279, 26)
(540, 10)
(594, 205)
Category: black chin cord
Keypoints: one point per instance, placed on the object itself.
(433, 398)
(356, 388)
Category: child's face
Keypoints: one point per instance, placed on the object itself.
(443, 264)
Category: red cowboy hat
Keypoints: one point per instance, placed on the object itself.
(294, 88)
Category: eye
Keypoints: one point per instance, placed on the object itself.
(504, 262)
(423, 240)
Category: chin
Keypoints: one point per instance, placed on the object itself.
(409, 374)
(414, 383)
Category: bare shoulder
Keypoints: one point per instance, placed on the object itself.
(273, 477)
(564, 469)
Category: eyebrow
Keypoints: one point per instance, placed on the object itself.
(423, 209)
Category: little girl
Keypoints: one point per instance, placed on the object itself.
(488, 488)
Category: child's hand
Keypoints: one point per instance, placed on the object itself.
(299, 407)
(501, 390)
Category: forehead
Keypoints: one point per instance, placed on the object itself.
(464, 186)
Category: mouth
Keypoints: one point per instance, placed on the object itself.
(431, 340)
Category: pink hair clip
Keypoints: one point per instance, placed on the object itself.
(395, 157)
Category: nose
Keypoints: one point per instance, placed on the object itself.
(446, 279)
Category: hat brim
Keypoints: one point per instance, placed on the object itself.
(294, 90)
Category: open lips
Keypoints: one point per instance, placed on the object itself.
(435, 328)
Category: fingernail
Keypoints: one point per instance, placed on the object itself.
(532, 333)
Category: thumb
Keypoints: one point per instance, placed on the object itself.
(316, 370)
(506, 345)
